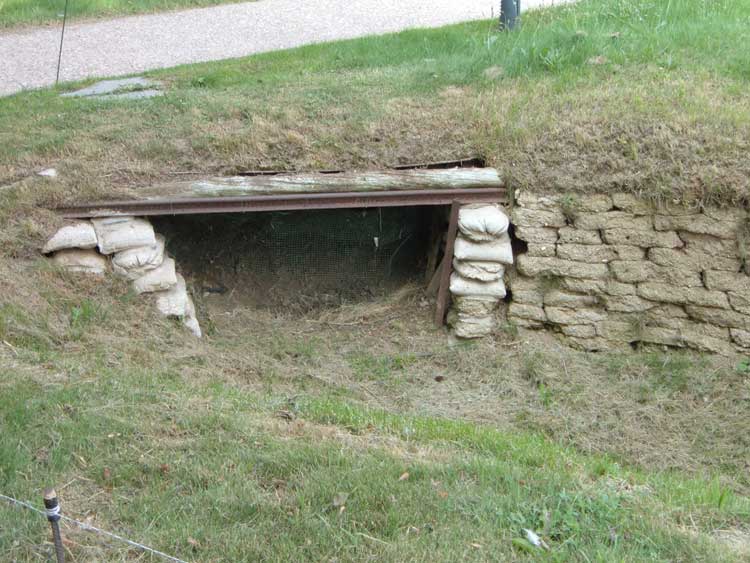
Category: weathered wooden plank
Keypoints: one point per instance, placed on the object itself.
(433, 250)
(447, 265)
(391, 180)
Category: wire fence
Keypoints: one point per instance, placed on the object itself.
(90, 528)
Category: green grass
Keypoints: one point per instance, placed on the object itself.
(610, 457)
(181, 444)
(30, 12)
(202, 471)
(622, 95)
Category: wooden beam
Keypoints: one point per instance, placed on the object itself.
(391, 180)
(433, 286)
(433, 251)
(447, 265)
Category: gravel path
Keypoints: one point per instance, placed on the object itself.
(133, 44)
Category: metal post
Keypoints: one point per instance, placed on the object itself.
(62, 36)
(52, 507)
(509, 11)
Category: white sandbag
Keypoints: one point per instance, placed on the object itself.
(190, 320)
(479, 270)
(467, 326)
(471, 288)
(482, 223)
(495, 251)
(77, 235)
(135, 262)
(475, 306)
(158, 279)
(77, 260)
(121, 233)
(173, 301)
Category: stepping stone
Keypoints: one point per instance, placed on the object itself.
(135, 95)
(112, 87)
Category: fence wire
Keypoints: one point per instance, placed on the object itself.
(90, 528)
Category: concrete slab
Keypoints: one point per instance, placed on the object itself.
(109, 87)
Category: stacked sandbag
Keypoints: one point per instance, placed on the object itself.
(115, 234)
(72, 248)
(81, 261)
(135, 262)
(481, 251)
(137, 253)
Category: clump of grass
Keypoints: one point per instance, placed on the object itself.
(83, 315)
(637, 325)
(570, 207)
(379, 368)
(548, 282)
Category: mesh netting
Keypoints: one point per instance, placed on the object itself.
(301, 258)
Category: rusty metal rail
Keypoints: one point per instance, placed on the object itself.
(283, 202)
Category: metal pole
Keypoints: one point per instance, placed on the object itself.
(509, 10)
(62, 36)
(52, 507)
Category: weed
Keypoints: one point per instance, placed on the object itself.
(545, 395)
(548, 282)
(532, 368)
(570, 206)
(670, 370)
(83, 314)
(637, 325)
(367, 366)
(510, 329)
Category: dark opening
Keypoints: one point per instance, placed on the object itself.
(301, 261)
(519, 246)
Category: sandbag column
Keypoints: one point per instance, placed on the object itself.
(481, 252)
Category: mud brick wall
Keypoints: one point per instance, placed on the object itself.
(606, 272)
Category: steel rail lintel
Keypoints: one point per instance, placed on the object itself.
(283, 202)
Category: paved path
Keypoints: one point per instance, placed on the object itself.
(127, 45)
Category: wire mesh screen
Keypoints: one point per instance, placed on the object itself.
(302, 259)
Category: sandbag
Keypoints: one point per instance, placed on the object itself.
(77, 235)
(496, 251)
(190, 320)
(173, 301)
(135, 262)
(479, 270)
(467, 326)
(475, 306)
(158, 279)
(121, 233)
(482, 223)
(471, 288)
(77, 260)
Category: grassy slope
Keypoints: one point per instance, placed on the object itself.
(180, 445)
(174, 443)
(31, 12)
(665, 113)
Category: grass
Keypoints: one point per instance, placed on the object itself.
(243, 446)
(203, 470)
(646, 97)
(361, 433)
(34, 12)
